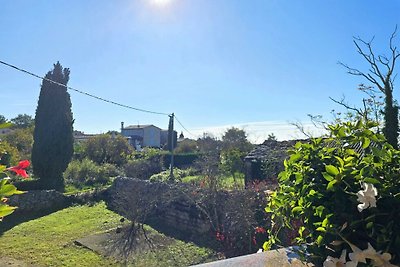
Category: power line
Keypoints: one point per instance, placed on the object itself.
(184, 127)
(79, 91)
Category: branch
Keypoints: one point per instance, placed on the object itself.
(342, 103)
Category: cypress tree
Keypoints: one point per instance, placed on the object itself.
(53, 139)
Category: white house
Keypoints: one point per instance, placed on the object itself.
(142, 135)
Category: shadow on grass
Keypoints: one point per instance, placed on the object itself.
(208, 241)
(17, 218)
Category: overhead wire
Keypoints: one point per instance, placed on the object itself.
(184, 127)
(91, 95)
(80, 91)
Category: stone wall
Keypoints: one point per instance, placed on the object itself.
(191, 211)
(36, 201)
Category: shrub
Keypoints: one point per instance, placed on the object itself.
(87, 173)
(165, 175)
(10, 155)
(342, 193)
(142, 168)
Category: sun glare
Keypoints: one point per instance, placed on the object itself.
(161, 2)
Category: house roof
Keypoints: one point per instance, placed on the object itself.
(138, 126)
(271, 149)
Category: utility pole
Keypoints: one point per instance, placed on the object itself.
(171, 144)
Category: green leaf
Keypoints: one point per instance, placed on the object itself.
(320, 238)
(325, 222)
(365, 142)
(327, 176)
(319, 210)
(2, 168)
(332, 170)
(321, 229)
(371, 181)
(370, 225)
(331, 184)
(297, 209)
(9, 190)
(341, 132)
(340, 160)
(6, 210)
(295, 157)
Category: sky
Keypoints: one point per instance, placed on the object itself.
(258, 65)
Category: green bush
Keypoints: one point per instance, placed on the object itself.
(86, 173)
(10, 155)
(165, 175)
(342, 193)
(142, 168)
(181, 160)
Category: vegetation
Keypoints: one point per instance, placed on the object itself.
(53, 140)
(341, 194)
(381, 74)
(86, 173)
(107, 148)
(49, 241)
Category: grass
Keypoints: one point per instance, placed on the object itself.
(48, 241)
(225, 182)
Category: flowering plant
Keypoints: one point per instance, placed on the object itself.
(345, 190)
(7, 189)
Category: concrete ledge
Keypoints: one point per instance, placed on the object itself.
(284, 257)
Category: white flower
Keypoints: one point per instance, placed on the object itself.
(378, 259)
(367, 196)
(260, 250)
(341, 262)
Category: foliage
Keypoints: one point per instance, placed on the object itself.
(142, 168)
(22, 139)
(49, 241)
(87, 173)
(381, 74)
(106, 148)
(6, 188)
(164, 176)
(53, 140)
(209, 144)
(180, 160)
(186, 146)
(232, 162)
(2, 119)
(9, 154)
(23, 121)
(324, 183)
(235, 138)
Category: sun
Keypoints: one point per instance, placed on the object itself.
(161, 2)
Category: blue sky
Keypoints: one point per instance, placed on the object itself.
(215, 63)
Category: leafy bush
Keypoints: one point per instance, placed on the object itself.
(105, 148)
(342, 194)
(165, 175)
(142, 168)
(87, 173)
(9, 154)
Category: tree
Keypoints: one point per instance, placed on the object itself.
(23, 121)
(105, 148)
(2, 119)
(53, 139)
(381, 74)
(236, 138)
(22, 139)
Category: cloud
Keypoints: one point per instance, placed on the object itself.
(258, 131)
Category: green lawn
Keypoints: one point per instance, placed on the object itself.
(225, 182)
(48, 241)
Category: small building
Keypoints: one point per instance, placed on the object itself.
(80, 136)
(142, 135)
(265, 161)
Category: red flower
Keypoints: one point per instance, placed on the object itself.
(20, 169)
(260, 230)
(220, 236)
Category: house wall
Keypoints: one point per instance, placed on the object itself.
(151, 136)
